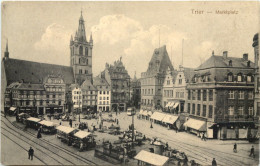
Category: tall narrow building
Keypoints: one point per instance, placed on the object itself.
(152, 80)
(81, 54)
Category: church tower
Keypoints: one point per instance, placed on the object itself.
(81, 54)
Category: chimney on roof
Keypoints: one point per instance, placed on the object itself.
(225, 54)
(245, 56)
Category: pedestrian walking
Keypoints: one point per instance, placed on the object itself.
(70, 122)
(30, 153)
(110, 148)
(117, 122)
(203, 137)
(252, 152)
(235, 148)
(214, 163)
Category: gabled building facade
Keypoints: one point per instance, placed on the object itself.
(257, 77)
(152, 80)
(119, 80)
(103, 94)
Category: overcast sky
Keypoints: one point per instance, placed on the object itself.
(40, 31)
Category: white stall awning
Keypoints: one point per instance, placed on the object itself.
(196, 124)
(170, 119)
(65, 129)
(151, 158)
(158, 116)
(82, 134)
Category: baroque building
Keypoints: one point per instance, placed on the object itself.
(220, 98)
(119, 80)
(152, 80)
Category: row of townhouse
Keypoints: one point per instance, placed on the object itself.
(219, 98)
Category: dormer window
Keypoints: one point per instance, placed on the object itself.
(249, 79)
(230, 63)
(239, 77)
(248, 63)
(230, 77)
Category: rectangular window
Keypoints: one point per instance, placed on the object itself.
(47, 96)
(59, 102)
(239, 78)
(100, 98)
(230, 78)
(241, 110)
(210, 95)
(180, 81)
(193, 109)
(210, 111)
(188, 94)
(107, 98)
(168, 82)
(189, 108)
(204, 95)
(231, 110)
(251, 111)
(198, 109)
(199, 95)
(80, 71)
(241, 95)
(250, 95)
(249, 79)
(41, 102)
(204, 110)
(258, 109)
(193, 95)
(231, 94)
(53, 96)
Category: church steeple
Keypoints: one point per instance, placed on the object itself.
(81, 29)
(81, 53)
(6, 55)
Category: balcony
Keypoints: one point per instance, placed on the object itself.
(236, 118)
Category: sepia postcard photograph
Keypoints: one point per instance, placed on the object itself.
(152, 83)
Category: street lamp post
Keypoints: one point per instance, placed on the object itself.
(132, 112)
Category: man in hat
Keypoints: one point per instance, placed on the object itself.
(30, 153)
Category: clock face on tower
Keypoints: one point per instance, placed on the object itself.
(83, 60)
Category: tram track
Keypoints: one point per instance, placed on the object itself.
(203, 155)
(36, 148)
(36, 156)
(57, 147)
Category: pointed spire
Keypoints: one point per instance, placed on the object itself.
(6, 54)
(81, 29)
(91, 39)
(6, 49)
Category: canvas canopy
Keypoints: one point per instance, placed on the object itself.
(82, 134)
(65, 129)
(170, 119)
(150, 113)
(141, 112)
(196, 124)
(175, 105)
(47, 123)
(12, 108)
(151, 158)
(34, 119)
(158, 116)
(145, 113)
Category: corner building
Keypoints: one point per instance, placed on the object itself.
(220, 98)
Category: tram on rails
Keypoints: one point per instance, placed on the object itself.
(84, 140)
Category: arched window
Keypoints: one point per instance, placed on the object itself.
(230, 77)
(239, 77)
(80, 50)
(86, 51)
(249, 78)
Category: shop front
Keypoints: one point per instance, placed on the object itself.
(195, 126)
(236, 130)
